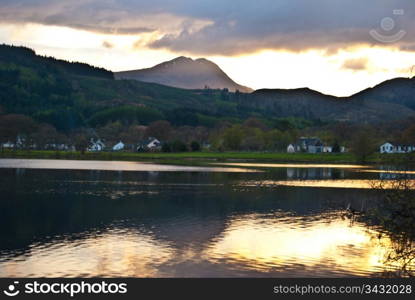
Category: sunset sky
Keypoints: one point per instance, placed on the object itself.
(337, 47)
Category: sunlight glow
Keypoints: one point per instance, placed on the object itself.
(273, 243)
(330, 73)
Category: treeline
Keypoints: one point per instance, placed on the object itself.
(251, 135)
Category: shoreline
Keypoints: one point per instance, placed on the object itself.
(190, 158)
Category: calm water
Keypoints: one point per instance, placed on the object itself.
(79, 218)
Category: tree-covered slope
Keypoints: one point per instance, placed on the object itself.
(70, 95)
(73, 95)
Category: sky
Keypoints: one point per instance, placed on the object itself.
(337, 47)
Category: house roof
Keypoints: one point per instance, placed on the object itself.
(144, 143)
(313, 141)
(397, 145)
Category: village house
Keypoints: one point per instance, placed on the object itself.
(95, 146)
(8, 145)
(327, 149)
(391, 148)
(17, 145)
(305, 144)
(60, 147)
(149, 144)
(312, 145)
(119, 146)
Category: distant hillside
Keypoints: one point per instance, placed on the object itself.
(375, 105)
(396, 91)
(73, 95)
(25, 57)
(184, 72)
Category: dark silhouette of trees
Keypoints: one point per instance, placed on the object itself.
(195, 146)
(363, 144)
(81, 142)
(336, 147)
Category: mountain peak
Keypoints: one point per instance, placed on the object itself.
(185, 72)
(182, 59)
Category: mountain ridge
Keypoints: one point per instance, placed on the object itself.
(72, 95)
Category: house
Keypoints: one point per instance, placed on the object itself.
(8, 145)
(327, 149)
(95, 146)
(391, 148)
(306, 144)
(61, 147)
(291, 148)
(118, 147)
(149, 144)
(20, 141)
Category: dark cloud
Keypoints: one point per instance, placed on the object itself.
(228, 27)
(90, 15)
(297, 25)
(356, 64)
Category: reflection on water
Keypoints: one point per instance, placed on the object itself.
(343, 184)
(114, 253)
(315, 173)
(317, 246)
(389, 172)
(307, 166)
(250, 245)
(74, 223)
(107, 166)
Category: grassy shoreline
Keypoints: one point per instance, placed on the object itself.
(189, 157)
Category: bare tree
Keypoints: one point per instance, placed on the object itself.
(394, 214)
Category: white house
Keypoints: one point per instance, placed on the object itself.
(18, 144)
(311, 145)
(390, 148)
(327, 149)
(118, 147)
(8, 145)
(304, 144)
(95, 146)
(149, 144)
(290, 148)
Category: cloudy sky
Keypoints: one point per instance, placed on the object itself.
(335, 46)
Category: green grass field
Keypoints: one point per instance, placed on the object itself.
(195, 157)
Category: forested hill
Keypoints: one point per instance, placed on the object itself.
(25, 57)
(73, 95)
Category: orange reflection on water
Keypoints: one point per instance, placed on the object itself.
(343, 183)
(270, 165)
(56, 164)
(266, 244)
(112, 254)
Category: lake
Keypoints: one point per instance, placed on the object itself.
(128, 219)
